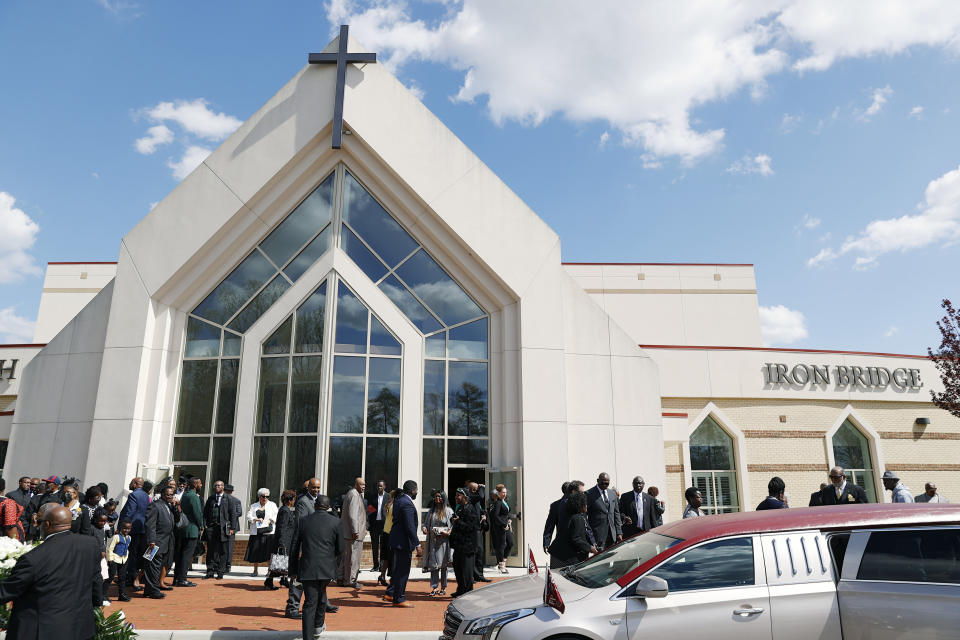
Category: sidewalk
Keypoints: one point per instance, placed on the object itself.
(238, 607)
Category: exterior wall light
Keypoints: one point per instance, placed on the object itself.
(923, 420)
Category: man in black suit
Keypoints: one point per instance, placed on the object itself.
(603, 513)
(377, 501)
(216, 519)
(560, 549)
(314, 556)
(236, 512)
(842, 492)
(56, 586)
(21, 495)
(403, 541)
(638, 510)
(159, 526)
(477, 495)
(816, 498)
(553, 517)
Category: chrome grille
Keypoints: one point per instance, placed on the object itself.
(451, 623)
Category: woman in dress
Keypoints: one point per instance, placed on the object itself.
(262, 516)
(498, 515)
(283, 536)
(386, 553)
(577, 527)
(81, 521)
(437, 556)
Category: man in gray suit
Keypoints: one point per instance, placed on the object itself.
(313, 562)
(306, 502)
(353, 528)
(603, 513)
(306, 505)
(158, 528)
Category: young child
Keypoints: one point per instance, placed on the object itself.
(117, 553)
(112, 517)
(100, 530)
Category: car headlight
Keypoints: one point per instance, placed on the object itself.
(489, 626)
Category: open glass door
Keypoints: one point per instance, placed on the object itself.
(512, 479)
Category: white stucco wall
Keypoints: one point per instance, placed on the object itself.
(67, 288)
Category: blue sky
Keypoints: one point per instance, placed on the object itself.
(816, 140)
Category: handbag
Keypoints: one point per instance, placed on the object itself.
(279, 563)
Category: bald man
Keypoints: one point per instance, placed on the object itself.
(56, 586)
(353, 528)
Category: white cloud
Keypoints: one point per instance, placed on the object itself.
(810, 222)
(153, 205)
(937, 223)
(916, 112)
(95, 175)
(196, 118)
(780, 325)
(15, 329)
(645, 67)
(121, 8)
(604, 138)
(18, 233)
(416, 90)
(892, 331)
(760, 163)
(788, 124)
(880, 97)
(191, 159)
(156, 136)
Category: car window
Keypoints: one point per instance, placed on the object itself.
(931, 555)
(725, 563)
(838, 550)
(614, 563)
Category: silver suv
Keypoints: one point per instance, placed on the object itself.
(843, 572)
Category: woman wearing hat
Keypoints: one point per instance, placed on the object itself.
(261, 516)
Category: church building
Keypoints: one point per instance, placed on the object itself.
(344, 289)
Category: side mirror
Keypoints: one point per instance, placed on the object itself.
(651, 587)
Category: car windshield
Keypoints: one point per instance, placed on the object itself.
(607, 567)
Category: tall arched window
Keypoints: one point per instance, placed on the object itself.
(713, 467)
(851, 450)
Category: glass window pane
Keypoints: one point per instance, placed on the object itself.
(305, 395)
(351, 331)
(203, 340)
(410, 306)
(345, 464)
(309, 336)
(850, 448)
(349, 378)
(197, 390)
(279, 341)
(434, 378)
(311, 253)
(438, 290)
(301, 462)
(235, 289)
(467, 404)
(273, 394)
(358, 252)
(912, 556)
(259, 305)
(302, 224)
(232, 344)
(382, 341)
(374, 224)
(267, 461)
(469, 340)
(433, 468)
(711, 449)
(191, 449)
(436, 346)
(195, 470)
(727, 499)
(467, 451)
(227, 401)
(718, 565)
(383, 396)
(381, 461)
(220, 464)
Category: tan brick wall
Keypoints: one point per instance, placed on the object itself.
(797, 447)
(6, 402)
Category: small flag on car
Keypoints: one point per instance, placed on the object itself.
(531, 562)
(551, 595)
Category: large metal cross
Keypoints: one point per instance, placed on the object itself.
(341, 57)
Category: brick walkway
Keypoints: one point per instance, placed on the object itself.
(246, 605)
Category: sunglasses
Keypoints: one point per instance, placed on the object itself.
(836, 477)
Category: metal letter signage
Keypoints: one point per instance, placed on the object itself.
(341, 58)
(8, 372)
(814, 375)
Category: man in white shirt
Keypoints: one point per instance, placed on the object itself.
(930, 495)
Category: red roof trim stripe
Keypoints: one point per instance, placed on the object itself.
(6, 413)
(82, 262)
(718, 348)
(674, 415)
(21, 346)
(658, 264)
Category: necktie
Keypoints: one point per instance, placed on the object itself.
(604, 495)
(838, 493)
